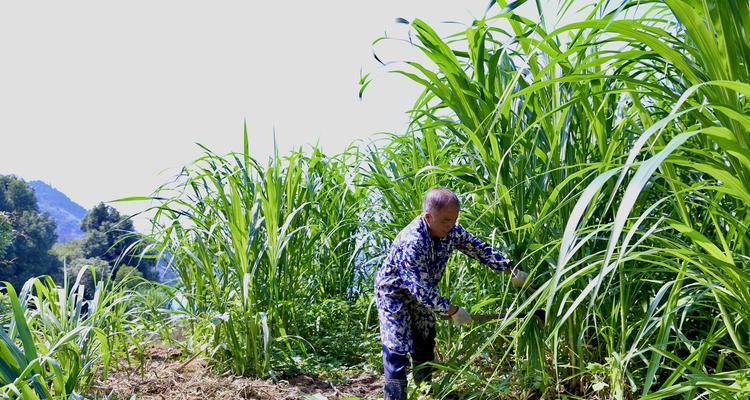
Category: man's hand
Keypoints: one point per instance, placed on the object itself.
(519, 278)
(459, 315)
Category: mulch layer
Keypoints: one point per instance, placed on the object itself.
(167, 376)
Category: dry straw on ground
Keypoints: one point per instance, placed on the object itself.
(167, 377)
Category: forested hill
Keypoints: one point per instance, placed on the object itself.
(64, 211)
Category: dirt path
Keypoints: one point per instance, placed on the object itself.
(167, 377)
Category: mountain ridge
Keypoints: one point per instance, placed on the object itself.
(66, 213)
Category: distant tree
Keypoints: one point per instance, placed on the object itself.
(111, 236)
(67, 252)
(130, 273)
(17, 196)
(100, 244)
(33, 234)
(6, 234)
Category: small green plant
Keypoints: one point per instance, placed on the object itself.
(66, 339)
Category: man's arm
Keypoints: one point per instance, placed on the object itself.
(411, 263)
(481, 251)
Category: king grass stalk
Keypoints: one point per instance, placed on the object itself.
(246, 242)
(655, 50)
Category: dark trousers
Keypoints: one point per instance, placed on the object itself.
(395, 365)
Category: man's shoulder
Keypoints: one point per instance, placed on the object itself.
(456, 233)
(411, 235)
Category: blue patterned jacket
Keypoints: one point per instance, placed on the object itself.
(406, 283)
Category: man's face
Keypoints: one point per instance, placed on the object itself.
(440, 222)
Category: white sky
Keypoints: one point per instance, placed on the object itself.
(99, 98)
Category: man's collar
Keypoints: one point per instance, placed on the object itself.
(424, 229)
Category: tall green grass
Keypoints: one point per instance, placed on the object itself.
(253, 245)
(608, 156)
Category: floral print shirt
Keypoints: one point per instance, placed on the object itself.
(406, 283)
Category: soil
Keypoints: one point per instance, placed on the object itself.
(168, 376)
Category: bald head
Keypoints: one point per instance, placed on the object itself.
(438, 198)
(441, 209)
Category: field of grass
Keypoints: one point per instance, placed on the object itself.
(609, 157)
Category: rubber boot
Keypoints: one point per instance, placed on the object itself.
(394, 389)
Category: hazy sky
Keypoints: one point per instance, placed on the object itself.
(107, 99)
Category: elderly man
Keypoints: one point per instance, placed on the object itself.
(406, 287)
